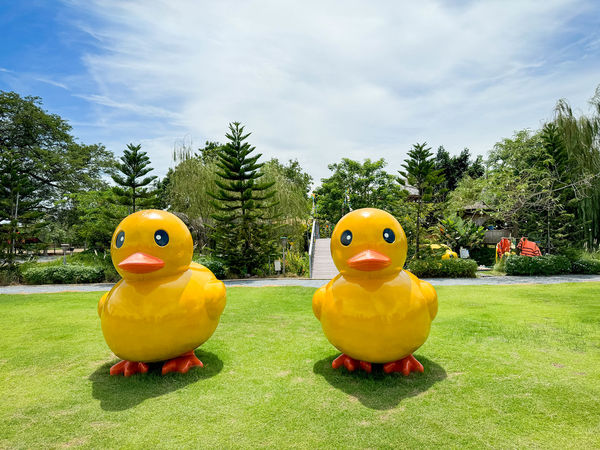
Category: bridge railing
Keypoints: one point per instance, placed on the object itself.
(314, 235)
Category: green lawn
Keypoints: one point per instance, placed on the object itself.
(504, 367)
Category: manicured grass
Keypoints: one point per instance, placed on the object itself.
(514, 366)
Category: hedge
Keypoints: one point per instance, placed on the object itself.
(537, 265)
(586, 266)
(63, 274)
(446, 268)
(216, 266)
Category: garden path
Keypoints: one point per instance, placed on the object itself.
(262, 282)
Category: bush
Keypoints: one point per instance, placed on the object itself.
(485, 256)
(215, 265)
(586, 266)
(9, 275)
(296, 263)
(446, 268)
(63, 274)
(537, 265)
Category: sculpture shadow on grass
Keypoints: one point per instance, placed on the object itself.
(117, 393)
(379, 390)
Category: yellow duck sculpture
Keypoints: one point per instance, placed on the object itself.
(166, 305)
(373, 311)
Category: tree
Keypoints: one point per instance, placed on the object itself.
(454, 168)
(134, 165)
(420, 173)
(243, 232)
(581, 139)
(97, 216)
(19, 209)
(356, 185)
(292, 204)
(45, 151)
(40, 162)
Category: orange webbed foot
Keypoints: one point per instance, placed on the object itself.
(181, 364)
(405, 366)
(350, 364)
(128, 368)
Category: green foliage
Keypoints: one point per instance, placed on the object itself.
(420, 173)
(243, 230)
(131, 179)
(456, 233)
(9, 275)
(580, 137)
(297, 263)
(537, 265)
(215, 265)
(188, 193)
(40, 162)
(454, 168)
(443, 268)
(291, 204)
(484, 255)
(97, 218)
(63, 274)
(586, 266)
(355, 185)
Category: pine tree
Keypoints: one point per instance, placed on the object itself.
(131, 190)
(420, 173)
(243, 232)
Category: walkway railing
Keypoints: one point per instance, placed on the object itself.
(314, 235)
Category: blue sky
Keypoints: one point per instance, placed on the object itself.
(315, 81)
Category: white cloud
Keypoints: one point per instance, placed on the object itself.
(319, 81)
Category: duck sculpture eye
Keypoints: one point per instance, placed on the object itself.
(120, 239)
(346, 237)
(389, 236)
(161, 237)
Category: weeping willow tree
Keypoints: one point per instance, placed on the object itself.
(581, 139)
(188, 186)
(291, 204)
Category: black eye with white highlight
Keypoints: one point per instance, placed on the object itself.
(346, 237)
(120, 239)
(389, 236)
(161, 238)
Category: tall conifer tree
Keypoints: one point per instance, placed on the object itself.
(420, 173)
(131, 181)
(242, 230)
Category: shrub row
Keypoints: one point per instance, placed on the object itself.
(63, 274)
(216, 266)
(538, 265)
(446, 268)
(586, 266)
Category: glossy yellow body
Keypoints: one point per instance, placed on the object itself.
(377, 316)
(162, 314)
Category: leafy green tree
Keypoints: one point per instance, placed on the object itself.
(243, 231)
(46, 152)
(132, 180)
(40, 163)
(357, 185)
(420, 173)
(454, 168)
(19, 209)
(97, 217)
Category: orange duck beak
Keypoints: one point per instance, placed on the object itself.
(369, 260)
(141, 263)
